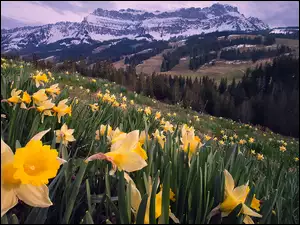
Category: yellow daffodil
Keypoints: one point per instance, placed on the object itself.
(236, 196)
(221, 142)
(296, 159)
(125, 154)
(235, 136)
(40, 79)
(168, 126)
(25, 99)
(64, 135)
(242, 141)
(142, 137)
(260, 156)
(102, 130)
(162, 121)
(124, 99)
(282, 148)
(251, 140)
(222, 131)
(116, 104)
(252, 152)
(215, 139)
(131, 102)
(45, 108)
(53, 90)
(123, 105)
(157, 115)
(15, 96)
(147, 110)
(62, 109)
(136, 200)
(231, 138)
(93, 80)
(99, 94)
(160, 138)
(189, 140)
(116, 135)
(174, 114)
(39, 96)
(207, 137)
(224, 137)
(94, 107)
(168, 114)
(24, 175)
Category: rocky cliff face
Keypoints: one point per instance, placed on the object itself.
(104, 25)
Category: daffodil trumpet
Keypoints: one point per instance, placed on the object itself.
(24, 175)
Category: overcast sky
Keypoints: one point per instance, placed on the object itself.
(18, 13)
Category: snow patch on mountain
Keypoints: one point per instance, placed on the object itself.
(102, 25)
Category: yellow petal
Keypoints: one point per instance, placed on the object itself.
(229, 204)
(250, 212)
(39, 136)
(248, 220)
(174, 218)
(255, 204)
(6, 153)
(128, 161)
(128, 143)
(8, 198)
(36, 196)
(240, 193)
(229, 182)
(135, 194)
(61, 161)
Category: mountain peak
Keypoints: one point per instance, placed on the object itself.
(103, 25)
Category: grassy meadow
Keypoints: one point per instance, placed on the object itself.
(110, 156)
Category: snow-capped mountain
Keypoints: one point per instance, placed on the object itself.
(104, 25)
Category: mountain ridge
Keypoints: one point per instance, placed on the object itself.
(102, 25)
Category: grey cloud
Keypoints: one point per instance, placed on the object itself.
(9, 23)
(84, 6)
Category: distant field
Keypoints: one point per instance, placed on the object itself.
(217, 71)
(294, 44)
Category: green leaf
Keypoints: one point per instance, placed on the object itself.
(14, 219)
(152, 199)
(74, 192)
(88, 195)
(142, 210)
(166, 195)
(122, 199)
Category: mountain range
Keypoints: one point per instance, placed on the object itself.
(102, 25)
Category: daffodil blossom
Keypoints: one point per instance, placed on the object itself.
(15, 96)
(189, 140)
(235, 196)
(136, 200)
(62, 109)
(160, 138)
(64, 135)
(125, 153)
(24, 175)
